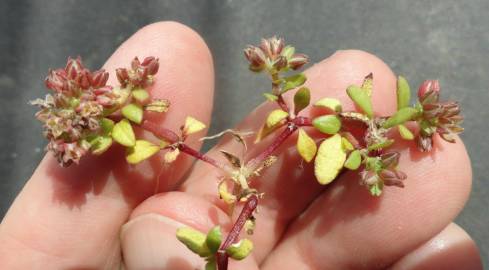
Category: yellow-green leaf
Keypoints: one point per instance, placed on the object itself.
(275, 117)
(123, 133)
(213, 239)
(100, 144)
(329, 160)
(329, 124)
(224, 194)
(329, 103)
(347, 144)
(403, 93)
(270, 97)
(240, 250)
(301, 99)
(107, 125)
(401, 116)
(158, 105)
(293, 82)
(361, 99)
(171, 155)
(405, 133)
(140, 95)
(192, 125)
(381, 145)
(376, 189)
(306, 146)
(133, 112)
(141, 151)
(354, 160)
(265, 131)
(194, 240)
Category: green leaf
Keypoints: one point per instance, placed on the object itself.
(329, 103)
(405, 133)
(329, 124)
(288, 51)
(240, 250)
(376, 189)
(368, 83)
(133, 112)
(123, 133)
(381, 145)
(140, 95)
(329, 160)
(361, 99)
(293, 82)
(275, 117)
(213, 239)
(403, 93)
(302, 98)
(107, 125)
(141, 151)
(354, 160)
(270, 97)
(401, 116)
(100, 144)
(306, 146)
(194, 240)
(211, 264)
(347, 144)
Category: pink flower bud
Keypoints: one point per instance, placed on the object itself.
(428, 86)
(256, 57)
(152, 64)
(122, 76)
(98, 78)
(297, 61)
(135, 63)
(56, 80)
(74, 67)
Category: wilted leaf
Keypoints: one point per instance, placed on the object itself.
(330, 103)
(401, 116)
(306, 146)
(293, 82)
(234, 160)
(367, 84)
(275, 117)
(301, 99)
(405, 133)
(140, 95)
(133, 112)
(361, 99)
(354, 160)
(240, 250)
(192, 125)
(194, 240)
(158, 105)
(141, 151)
(329, 160)
(213, 239)
(123, 133)
(329, 124)
(403, 93)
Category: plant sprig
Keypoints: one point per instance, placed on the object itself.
(85, 116)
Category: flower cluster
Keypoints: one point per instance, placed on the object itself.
(437, 117)
(380, 171)
(272, 54)
(74, 110)
(140, 74)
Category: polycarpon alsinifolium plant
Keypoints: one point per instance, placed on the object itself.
(83, 115)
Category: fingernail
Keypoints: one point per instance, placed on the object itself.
(149, 242)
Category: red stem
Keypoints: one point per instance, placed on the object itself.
(248, 208)
(172, 137)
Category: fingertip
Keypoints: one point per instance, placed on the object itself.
(452, 248)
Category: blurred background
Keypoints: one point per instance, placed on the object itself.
(446, 39)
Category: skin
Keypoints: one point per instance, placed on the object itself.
(104, 214)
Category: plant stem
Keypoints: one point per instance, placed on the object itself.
(248, 208)
(292, 126)
(172, 138)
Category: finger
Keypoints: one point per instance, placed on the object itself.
(70, 217)
(452, 248)
(288, 189)
(346, 228)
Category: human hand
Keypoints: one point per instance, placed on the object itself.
(103, 213)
